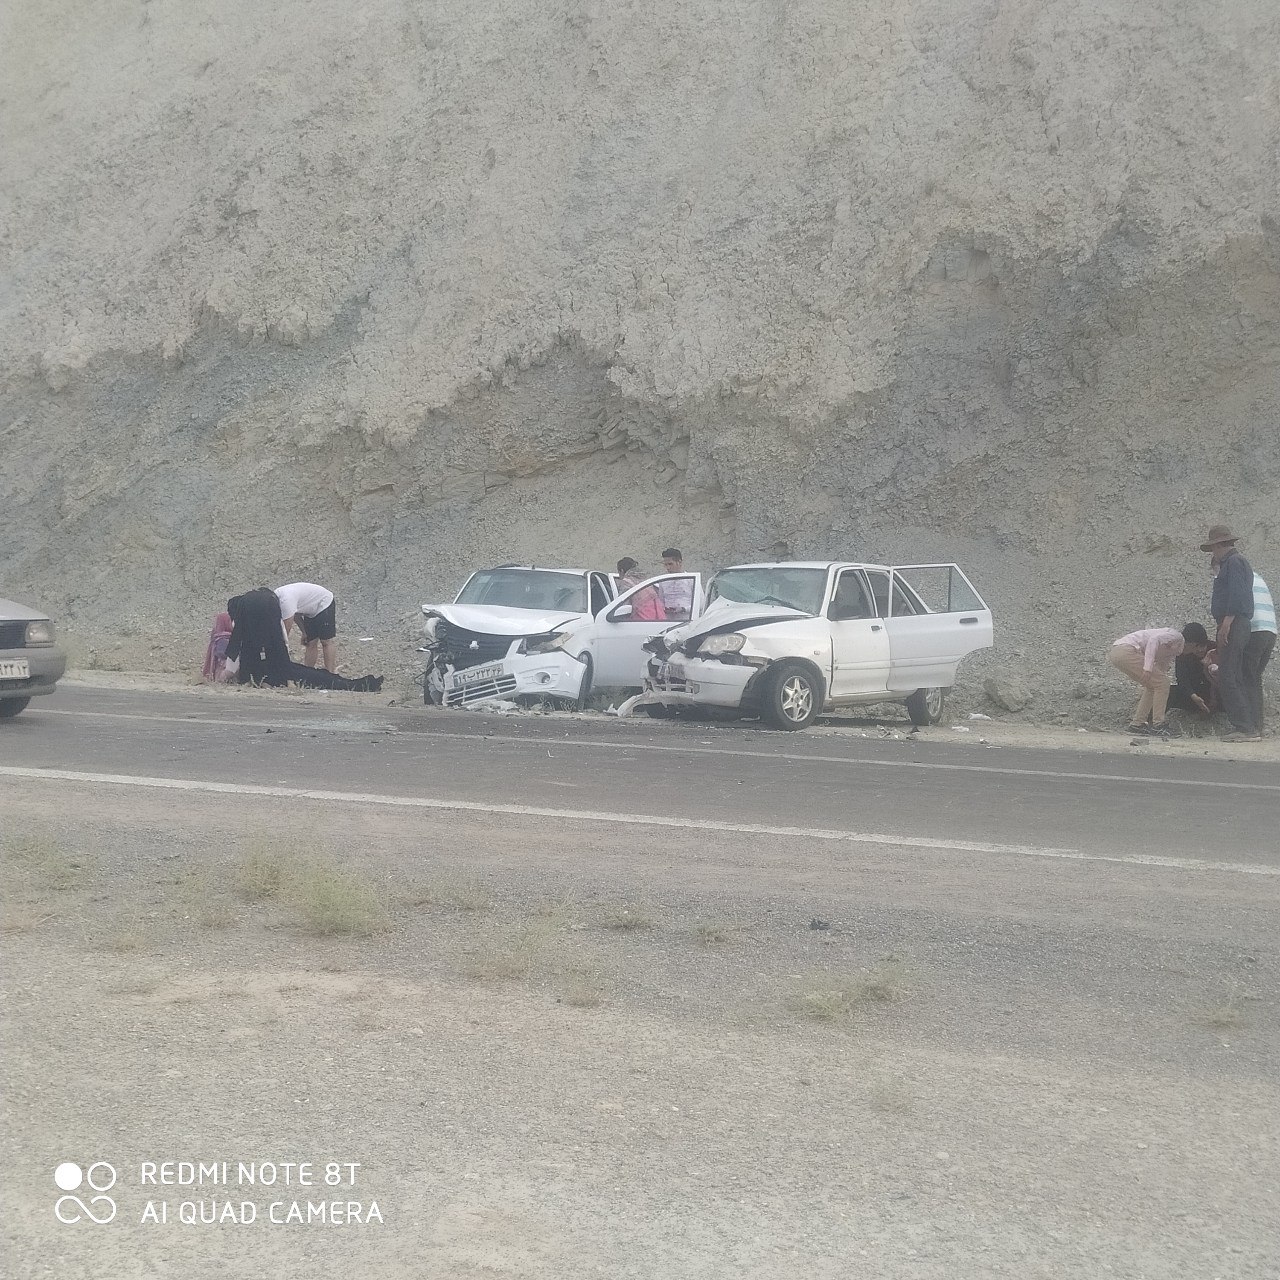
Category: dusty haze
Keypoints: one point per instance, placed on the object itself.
(374, 294)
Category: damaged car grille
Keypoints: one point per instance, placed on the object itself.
(500, 687)
(13, 635)
(462, 648)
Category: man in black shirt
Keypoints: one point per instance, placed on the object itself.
(1232, 609)
(1194, 690)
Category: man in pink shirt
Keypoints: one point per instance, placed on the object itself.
(1146, 658)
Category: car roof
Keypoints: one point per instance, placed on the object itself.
(535, 568)
(807, 564)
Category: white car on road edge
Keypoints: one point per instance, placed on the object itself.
(30, 662)
(521, 632)
(787, 641)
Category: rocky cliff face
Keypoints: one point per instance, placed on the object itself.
(373, 294)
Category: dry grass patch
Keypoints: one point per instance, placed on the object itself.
(453, 895)
(1222, 1014)
(332, 901)
(261, 872)
(207, 905)
(628, 920)
(715, 933)
(831, 999)
(584, 995)
(514, 957)
(42, 862)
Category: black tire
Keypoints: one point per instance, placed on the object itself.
(584, 693)
(791, 697)
(9, 707)
(925, 706)
(659, 711)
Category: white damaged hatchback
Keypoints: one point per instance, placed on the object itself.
(785, 642)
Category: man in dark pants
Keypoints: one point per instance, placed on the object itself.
(1232, 609)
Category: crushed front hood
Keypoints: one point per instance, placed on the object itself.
(498, 620)
(729, 616)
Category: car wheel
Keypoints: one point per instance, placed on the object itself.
(584, 691)
(925, 706)
(792, 698)
(658, 711)
(9, 707)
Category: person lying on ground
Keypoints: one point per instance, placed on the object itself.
(1146, 657)
(259, 655)
(1193, 691)
(315, 611)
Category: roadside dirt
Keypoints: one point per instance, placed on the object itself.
(564, 1052)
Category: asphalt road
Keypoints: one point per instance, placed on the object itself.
(919, 788)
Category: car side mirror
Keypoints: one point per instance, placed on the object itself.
(621, 612)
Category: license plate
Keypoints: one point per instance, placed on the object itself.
(17, 669)
(475, 675)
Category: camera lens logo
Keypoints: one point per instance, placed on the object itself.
(69, 1177)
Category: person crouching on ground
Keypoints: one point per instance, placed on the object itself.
(1193, 691)
(315, 611)
(1146, 657)
(258, 655)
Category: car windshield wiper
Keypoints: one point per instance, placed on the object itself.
(786, 604)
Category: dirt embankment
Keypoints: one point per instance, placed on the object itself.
(374, 300)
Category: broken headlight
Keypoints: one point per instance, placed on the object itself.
(548, 643)
(717, 646)
(429, 627)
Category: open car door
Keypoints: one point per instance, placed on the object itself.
(621, 629)
(935, 619)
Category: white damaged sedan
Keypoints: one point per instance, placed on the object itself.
(787, 641)
(525, 633)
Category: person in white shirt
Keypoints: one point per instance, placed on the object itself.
(315, 611)
(1146, 657)
(676, 596)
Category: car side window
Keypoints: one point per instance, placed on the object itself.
(903, 605)
(850, 599)
(599, 594)
(880, 591)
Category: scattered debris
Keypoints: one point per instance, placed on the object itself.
(815, 923)
(960, 728)
(977, 715)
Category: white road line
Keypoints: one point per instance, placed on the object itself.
(594, 743)
(621, 819)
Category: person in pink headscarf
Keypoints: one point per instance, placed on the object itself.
(646, 605)
(215, 656)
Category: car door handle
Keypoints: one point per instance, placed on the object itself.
(875, 627)
(968, 622)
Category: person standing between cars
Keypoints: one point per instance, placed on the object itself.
(1257, 651)
(646, 606)
(1145, 657)
(315, 611)
(677, 597)
(1232, 609)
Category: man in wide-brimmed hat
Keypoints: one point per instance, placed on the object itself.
(1232, 609)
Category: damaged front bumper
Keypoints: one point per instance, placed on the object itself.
(546, 675)
(697, 682)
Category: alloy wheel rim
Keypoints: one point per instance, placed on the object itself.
(933, 703)
(797, 698)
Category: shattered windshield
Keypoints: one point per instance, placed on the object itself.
(526, 589)
(802, 589)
